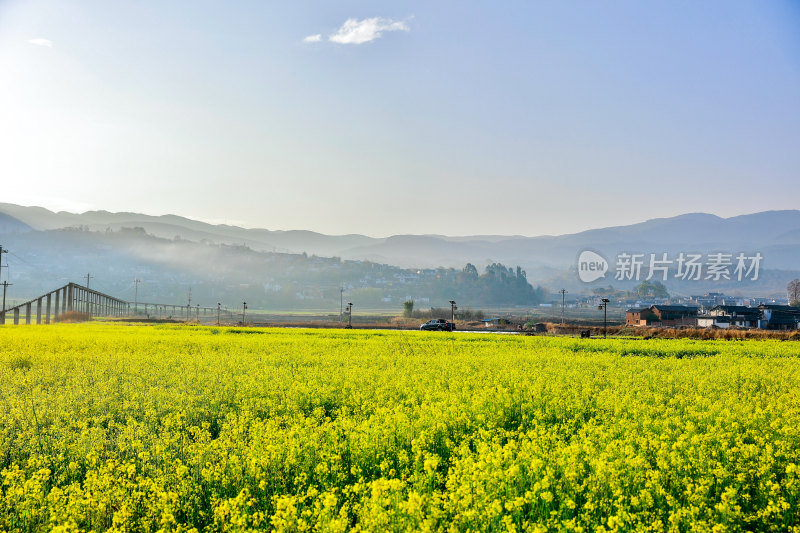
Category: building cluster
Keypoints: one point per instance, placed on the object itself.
(763, 316)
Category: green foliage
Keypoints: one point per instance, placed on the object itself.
(470, 271)
(655, 289)
(498, 285)
(134, 428)
(408, 308)
(20, 362)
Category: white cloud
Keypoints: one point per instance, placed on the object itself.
(313, 38)
(363, 31)
(42, 42)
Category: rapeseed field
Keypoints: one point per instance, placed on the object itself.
(179, 428)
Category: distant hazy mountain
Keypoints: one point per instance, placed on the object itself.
(9, 224)
(171, 226)
(776, 234)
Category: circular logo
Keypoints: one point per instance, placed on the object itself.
(591, 266)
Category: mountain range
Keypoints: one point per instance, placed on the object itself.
(776, 234)
(548, 260)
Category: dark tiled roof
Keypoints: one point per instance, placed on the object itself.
(738, 309)
(782, 320)
(675, 308)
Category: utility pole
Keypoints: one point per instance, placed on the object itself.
(563, 301)
(5, 283)
(190, 297)
(136, 282)
(5, 287)
(218, 304)
(197, 313)
(244, 312)
(2, 251)
(341, 303)
(350, 315)
(604, 307)
(88, 277)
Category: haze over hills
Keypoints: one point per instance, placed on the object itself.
(776, 234)
(289, 268)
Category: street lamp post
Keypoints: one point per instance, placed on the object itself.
(350, 315)
(604, 307)
(453, 310)
(218, 304)
(244, 312)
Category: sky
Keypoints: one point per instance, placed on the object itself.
(379, 118)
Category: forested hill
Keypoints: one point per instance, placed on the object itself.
(169, 268)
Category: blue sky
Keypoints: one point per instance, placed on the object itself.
(414, 117)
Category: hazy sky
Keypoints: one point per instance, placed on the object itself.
(407, 117)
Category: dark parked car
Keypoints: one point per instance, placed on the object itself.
(438, 324)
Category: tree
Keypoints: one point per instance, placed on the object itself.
(470, 271)
(793, 290)
(408, 308)
(655, 289)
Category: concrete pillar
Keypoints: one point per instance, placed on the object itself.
(16, 316)
(38, 311)
(57, 307)
(64, 300)
(47, 314)
(2, 318)
(28, 313)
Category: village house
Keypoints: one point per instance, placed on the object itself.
(739, 316)
(661, 315)
(775, 316)
(713, 321)
(674, 315)
(638, 316)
